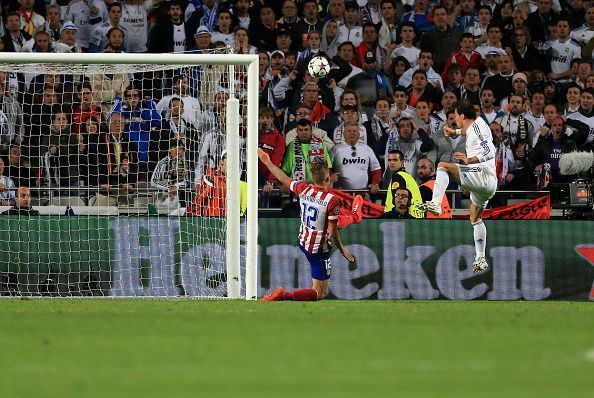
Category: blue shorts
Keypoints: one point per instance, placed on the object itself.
(319, 263)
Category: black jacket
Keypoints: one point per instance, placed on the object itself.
(25, 211)
(441, 44)
(161, 38)
(103, 167)
(539, 28)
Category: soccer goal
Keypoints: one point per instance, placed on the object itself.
(124, 175)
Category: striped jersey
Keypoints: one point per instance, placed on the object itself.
(319, 206)
(479, 143)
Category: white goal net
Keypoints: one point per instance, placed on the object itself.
(125, 177)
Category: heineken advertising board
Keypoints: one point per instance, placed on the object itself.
(395, 260)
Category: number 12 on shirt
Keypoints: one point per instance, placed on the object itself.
(309, 215)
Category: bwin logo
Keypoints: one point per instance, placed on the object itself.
(354, 161)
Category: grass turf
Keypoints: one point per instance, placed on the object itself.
(334, 349)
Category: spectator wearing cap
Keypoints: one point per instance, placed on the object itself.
(263, 31)
(53, 23)
(172, 35)
(519, 87)
(99, 36)
(351, 30)
(224, 30)
(310, 21)
(493, 43)
(491, 65)
(370, 84)
(526, 57)
(284, 39)
(441, 41)
(68, 39)
(501, 83)
(369, 44)
(202, 39)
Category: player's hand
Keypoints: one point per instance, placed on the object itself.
(264, 157)
(461, 156)
(373, 188)
(347, 254)
(448, 131)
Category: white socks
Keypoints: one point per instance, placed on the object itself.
(480, 238)
(442, 181)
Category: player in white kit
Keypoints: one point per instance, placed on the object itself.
(476, 173)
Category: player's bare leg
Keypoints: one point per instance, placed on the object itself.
(321, 287)
(480, 238)
(444, 172)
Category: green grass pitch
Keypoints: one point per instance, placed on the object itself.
(136, 348)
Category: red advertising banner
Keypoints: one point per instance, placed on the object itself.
(537, 209)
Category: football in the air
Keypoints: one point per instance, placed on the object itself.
(318, 67)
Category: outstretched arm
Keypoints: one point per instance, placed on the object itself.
(276, 172)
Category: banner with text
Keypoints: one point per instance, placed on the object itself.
(418, 259)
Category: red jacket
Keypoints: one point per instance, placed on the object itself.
(79, 117)
(272, 143)
(475, 61)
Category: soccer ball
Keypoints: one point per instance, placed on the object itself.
(318, 67)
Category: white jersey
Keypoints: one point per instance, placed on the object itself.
(191, 107)
(99, 37)
(354, 35)
(584, 119)
(134, 17)
(8, 193)
(582, 35)
(227, 38)
(353, 165)
(411, 54)
(37, 20)
(479, 143)
(562, 54)
(81, 13)
(339, 134)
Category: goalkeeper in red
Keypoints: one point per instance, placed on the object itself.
(475, 173)
(319, 219)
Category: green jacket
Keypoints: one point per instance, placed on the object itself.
(288, 165)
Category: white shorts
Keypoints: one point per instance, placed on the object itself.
(482, 185)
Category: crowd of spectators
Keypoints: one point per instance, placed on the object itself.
(397, 68)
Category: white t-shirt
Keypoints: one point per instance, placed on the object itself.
(8, 193)
(134, 17)
(411, 54)
(339, 137)
(79, 14)
(582, 35)
(354, 169)
(179, 38)
(227, 38)
(191, 107)
(479, 143)
(562, 54)
(99, 36)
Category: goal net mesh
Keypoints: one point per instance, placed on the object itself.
(125, 170)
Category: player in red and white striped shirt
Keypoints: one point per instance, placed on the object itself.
(319, 217)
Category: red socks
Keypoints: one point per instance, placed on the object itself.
(301, 295)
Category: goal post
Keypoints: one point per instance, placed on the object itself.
(241, 265)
